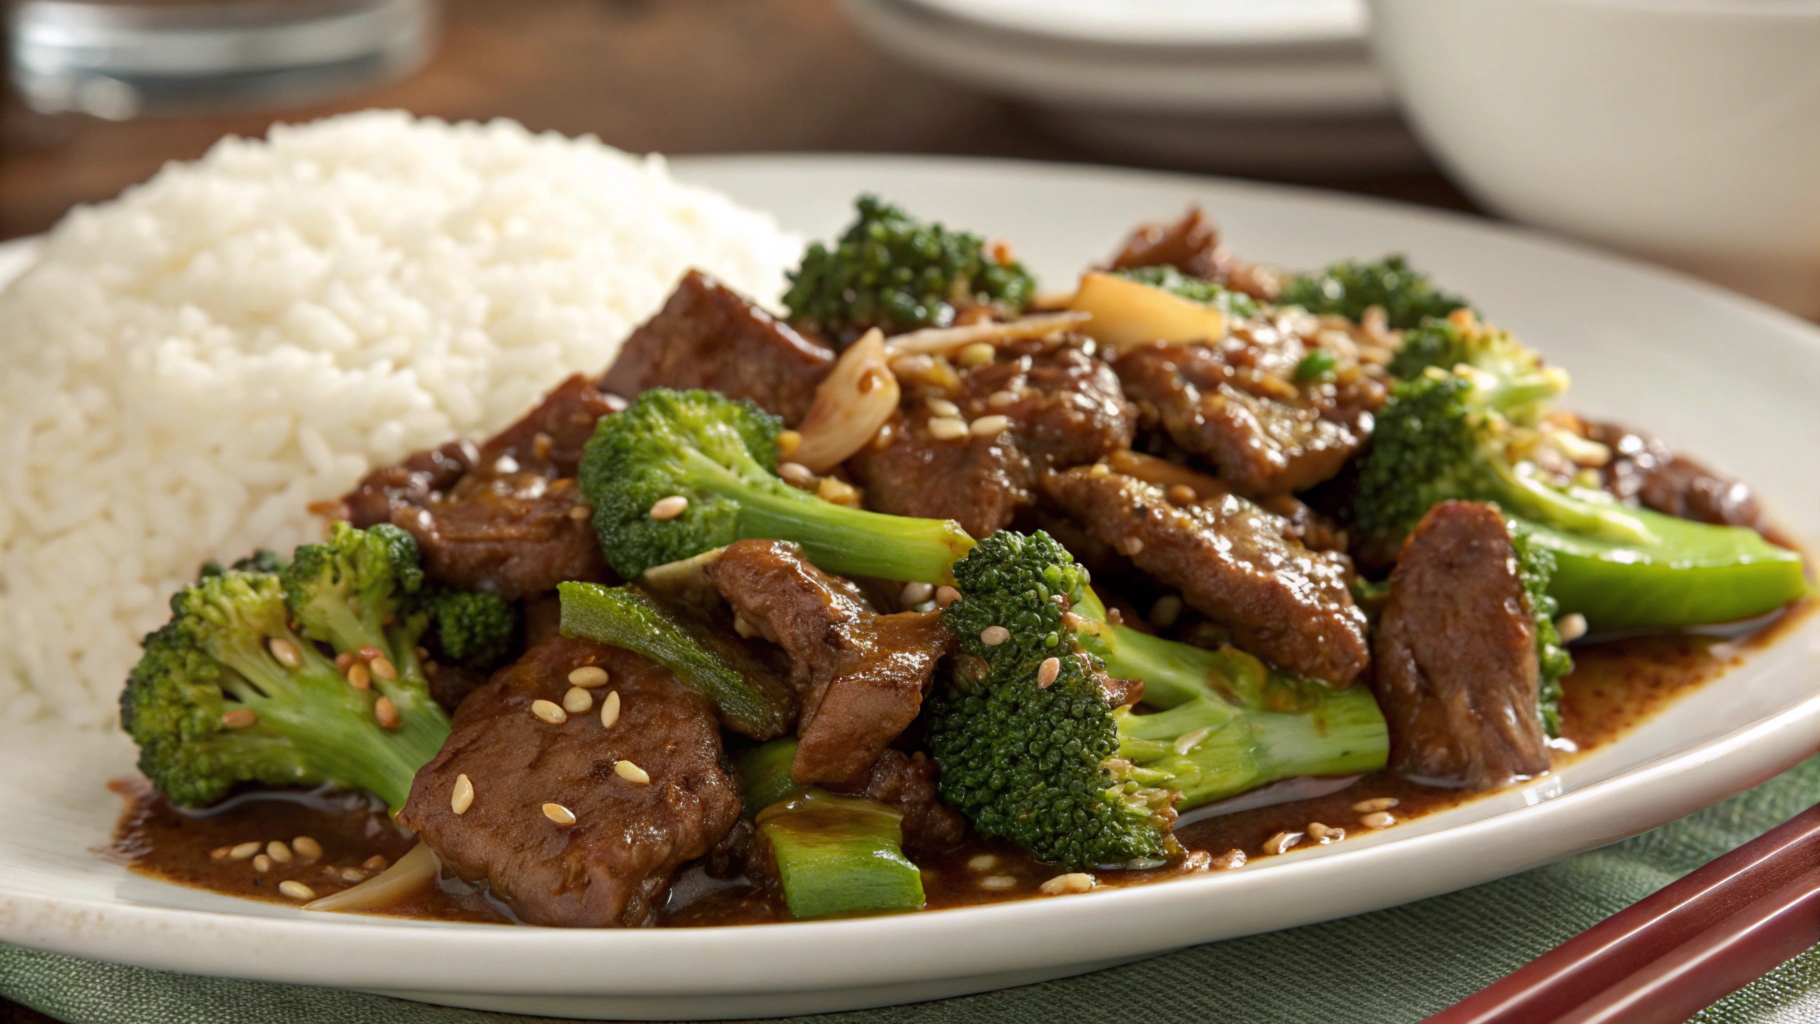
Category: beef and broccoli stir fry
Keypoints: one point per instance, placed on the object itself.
(801, 608)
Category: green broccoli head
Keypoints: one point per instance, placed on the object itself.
(472, 629)
(1461, 340)
(1236, 305)
(1536, 567)
(349, 588)
(1027, 761)
(1348, 289)
(897, 273)
(679, 473)
(263, 560)
(1427, 446)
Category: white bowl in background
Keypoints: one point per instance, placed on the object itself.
(1685, 131)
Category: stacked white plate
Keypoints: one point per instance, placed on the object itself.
(1242, 85)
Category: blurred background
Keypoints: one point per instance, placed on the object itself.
(1685, 131)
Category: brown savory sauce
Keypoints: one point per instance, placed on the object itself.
(1616, 685)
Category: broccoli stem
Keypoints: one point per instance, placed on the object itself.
(835, 855)
(837, 539)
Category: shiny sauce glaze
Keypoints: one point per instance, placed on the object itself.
(1616, 685)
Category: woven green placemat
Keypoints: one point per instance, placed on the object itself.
(1393, 966)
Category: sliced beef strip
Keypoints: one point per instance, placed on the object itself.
(1232, 562)
(614, 864)
(1191, 245)
(708, 336)
(408, 484)
(1064, 408)
(1646, 471)
(1238, 405)
(862, 676)
(1456, 670)
(907, 782)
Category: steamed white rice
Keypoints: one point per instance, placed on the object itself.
(188, 366)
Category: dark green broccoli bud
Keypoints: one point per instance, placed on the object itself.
(897, 273)
(476, 630)
(226, 693)
(1472, 434)
(1348, 289)
(1035, 751)
(721, 457)
(1236, 305)
(350, 588)
(263, 560)
(1536, 567)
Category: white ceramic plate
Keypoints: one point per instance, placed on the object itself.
(1224, 23)
(1729, 380)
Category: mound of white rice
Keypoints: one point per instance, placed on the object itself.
(188, 366)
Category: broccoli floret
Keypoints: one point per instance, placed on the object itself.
(1460, 339)
(1236, 305)
(1348, 289)
(721, 456)
(1536, 567)
(892, 271)
(227, 692)
(472, 629)
(1039, 753)
(263, 560)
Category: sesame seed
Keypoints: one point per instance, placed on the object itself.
(296, 890)
(505, 464)
(359, 677)
(992, 636)
(1281, 842)
(581, 512)
(309, 851)
(977, 354)
(352, 875)
(1229, 860)
(421, 651)
(945, 596)
(1134, 545)
(1378, 819)
(262, 863)
(385, 713)
(285, 651)
(946, 428)
(1381, 803)
(1047, 671)
(989, 426)
(1165, 611)
(982, 862)
(242, 851)
(463, 796)
(588, 676)
(744, 627)
(1073, 881)
(609, 710)
(788, 442)
(1189, 740)
(220, 852)
(943, 407)
(1324, 834)
(1182, 494)
(577, 700)
(796, 473)
(278, 851)
(239, 718)
(1100, 469)
(1571, 626)
(997, 882)
(1001, 399)
(541, 446)
(343, 660)
(632, 773)
(559, 814)
(549, 711)
(383, 668)
(368, 653)
(374, 863)
(916, 593)
(669, 508)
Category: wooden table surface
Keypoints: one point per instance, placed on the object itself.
(676, 76)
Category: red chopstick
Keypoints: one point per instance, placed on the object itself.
(1680, 949)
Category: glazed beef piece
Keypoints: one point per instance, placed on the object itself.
(1233, 563)
(613, 865)
(862, 676)
(1063, 407)
(1456, 670)
(1239, 406)
(907, 782)
(708, 336)
(510, 521)
(1645, 471)
(1192, 246)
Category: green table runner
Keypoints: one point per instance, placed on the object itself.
(1392, 966)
